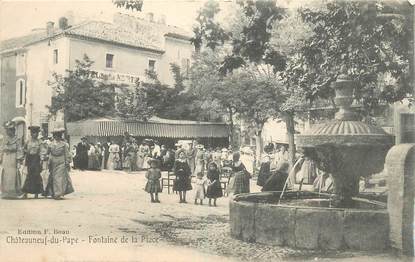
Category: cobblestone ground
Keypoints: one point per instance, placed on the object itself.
(113, 204)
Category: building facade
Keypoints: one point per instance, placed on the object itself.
(122, 51)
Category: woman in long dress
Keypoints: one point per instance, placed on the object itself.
(92, 158)
(147, 157)
(265, 168)
(200, 160)
(241, 176)
(114, 156)
(140, 157)
(33, 183)
(11, 158)
(59, 183)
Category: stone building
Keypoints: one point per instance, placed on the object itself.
(122, 51)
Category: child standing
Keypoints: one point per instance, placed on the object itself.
(200, 187)
(182, 172)
(214, 189)
(153, 176)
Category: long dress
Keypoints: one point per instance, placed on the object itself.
(140, 156)
(44, 157)
(98, 160)
(182, 172)
(275, 182)
(82, 155)
(59, 183)
(200, 162)
(241, 178)
(92, 158)
(113, 158)
(214, 189)
(264, 170)
(11, 154)
(147, 157)
(308, 171)
(153, 176)
(192, 160)
(33, 183)
(132, 155)
(216, 158)
(200, 188)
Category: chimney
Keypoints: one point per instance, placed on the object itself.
(63, 23)
(69, 15)
(150, 17)
(49, 28)
(162, 19)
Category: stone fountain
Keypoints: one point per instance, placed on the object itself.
(348, 149)
(345, 147)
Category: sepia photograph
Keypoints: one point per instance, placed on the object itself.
(207, 130)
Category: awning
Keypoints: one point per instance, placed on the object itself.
(159, 128)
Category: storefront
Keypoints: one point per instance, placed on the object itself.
(166, 131)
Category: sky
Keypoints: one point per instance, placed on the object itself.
(20, 17)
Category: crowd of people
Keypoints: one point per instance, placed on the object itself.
(45, 163)
(205, 164)
(274, 167)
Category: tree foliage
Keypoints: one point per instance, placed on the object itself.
(252, 44)
(80, 96)
(355, 39)
(152, 97)
(207, 31)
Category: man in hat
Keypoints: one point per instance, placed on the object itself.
(82, 153)
(33, 183)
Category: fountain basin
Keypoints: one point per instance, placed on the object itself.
(306, 223)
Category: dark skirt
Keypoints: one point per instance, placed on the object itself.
(214, 190)
(182, 184)
(153, 187)
(264, 174)
(33, 183)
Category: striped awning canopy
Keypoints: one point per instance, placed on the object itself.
(153, 128)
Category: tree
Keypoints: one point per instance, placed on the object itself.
(353, 38)
(133, 104)
(207, 31)
(253, 53)
(216, 94)
(151, 97)
(80, 96)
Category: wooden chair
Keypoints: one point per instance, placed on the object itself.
(168, 181)
(225, 176)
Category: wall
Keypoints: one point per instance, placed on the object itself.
(40, 69)
(176, 51)
(8, 108)
(405, 132)
(126, 60)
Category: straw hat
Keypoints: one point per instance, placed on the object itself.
(9, 125)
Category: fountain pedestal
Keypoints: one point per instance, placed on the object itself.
(345, 147)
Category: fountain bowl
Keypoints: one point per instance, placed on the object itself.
(305, 220)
